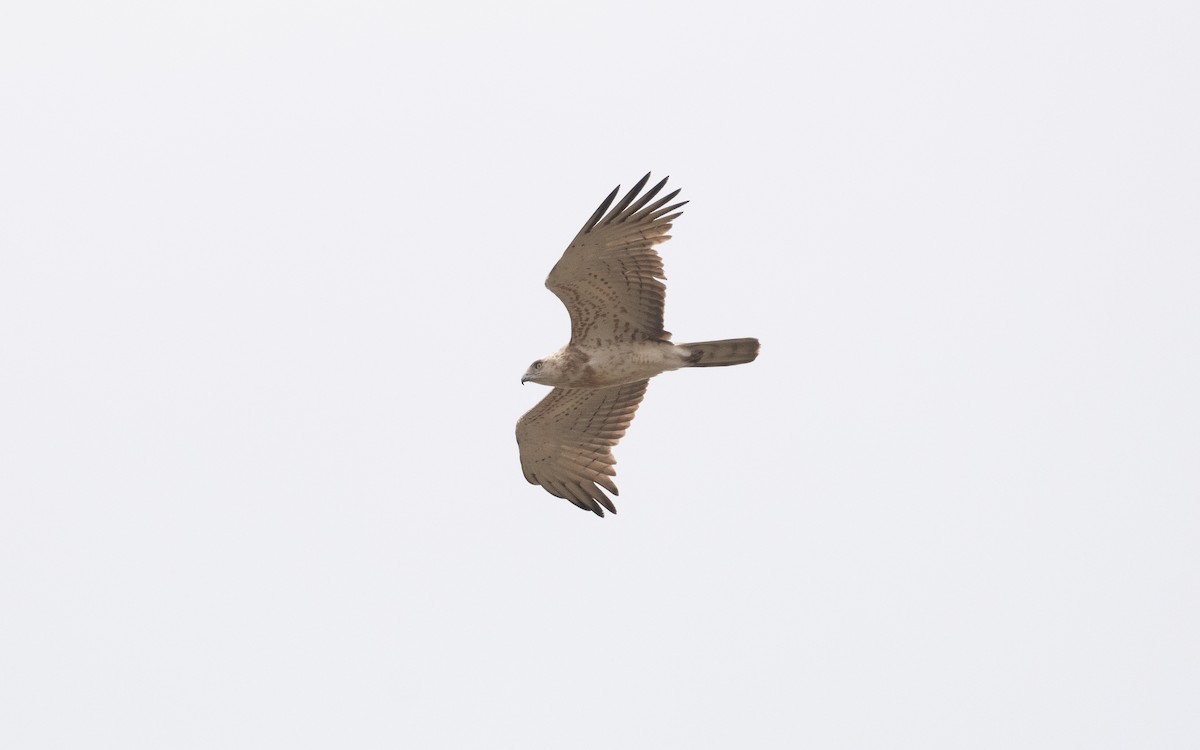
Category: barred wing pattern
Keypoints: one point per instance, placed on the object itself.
(566, 441)
(610, 277)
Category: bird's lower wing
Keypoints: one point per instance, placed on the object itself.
(566, 441)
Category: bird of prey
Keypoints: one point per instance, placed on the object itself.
(609, 278)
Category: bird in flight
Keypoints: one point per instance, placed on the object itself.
(610, 279)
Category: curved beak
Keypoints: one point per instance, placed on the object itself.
(524, 378)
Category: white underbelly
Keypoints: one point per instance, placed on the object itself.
(632, 362)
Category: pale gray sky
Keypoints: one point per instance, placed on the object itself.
(270, 274)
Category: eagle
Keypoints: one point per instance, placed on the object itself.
(611, 280)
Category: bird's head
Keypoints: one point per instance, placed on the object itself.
(545, 371)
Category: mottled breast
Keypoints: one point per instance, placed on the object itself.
(624, 363)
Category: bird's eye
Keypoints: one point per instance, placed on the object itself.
(537, 365)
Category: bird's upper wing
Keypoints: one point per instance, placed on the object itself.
(566, 441)
(610, 276)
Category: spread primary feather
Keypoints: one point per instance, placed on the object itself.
(610, 280)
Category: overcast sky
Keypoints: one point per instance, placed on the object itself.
(270, 274)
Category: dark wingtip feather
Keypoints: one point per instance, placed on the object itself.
(590, 223)
(660, 213)
(606, 502)
(646, 214)
(649, 196)
(633, 193)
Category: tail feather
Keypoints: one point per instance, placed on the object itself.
(720, 353)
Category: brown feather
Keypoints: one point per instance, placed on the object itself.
(609, 277)
(566, 441)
